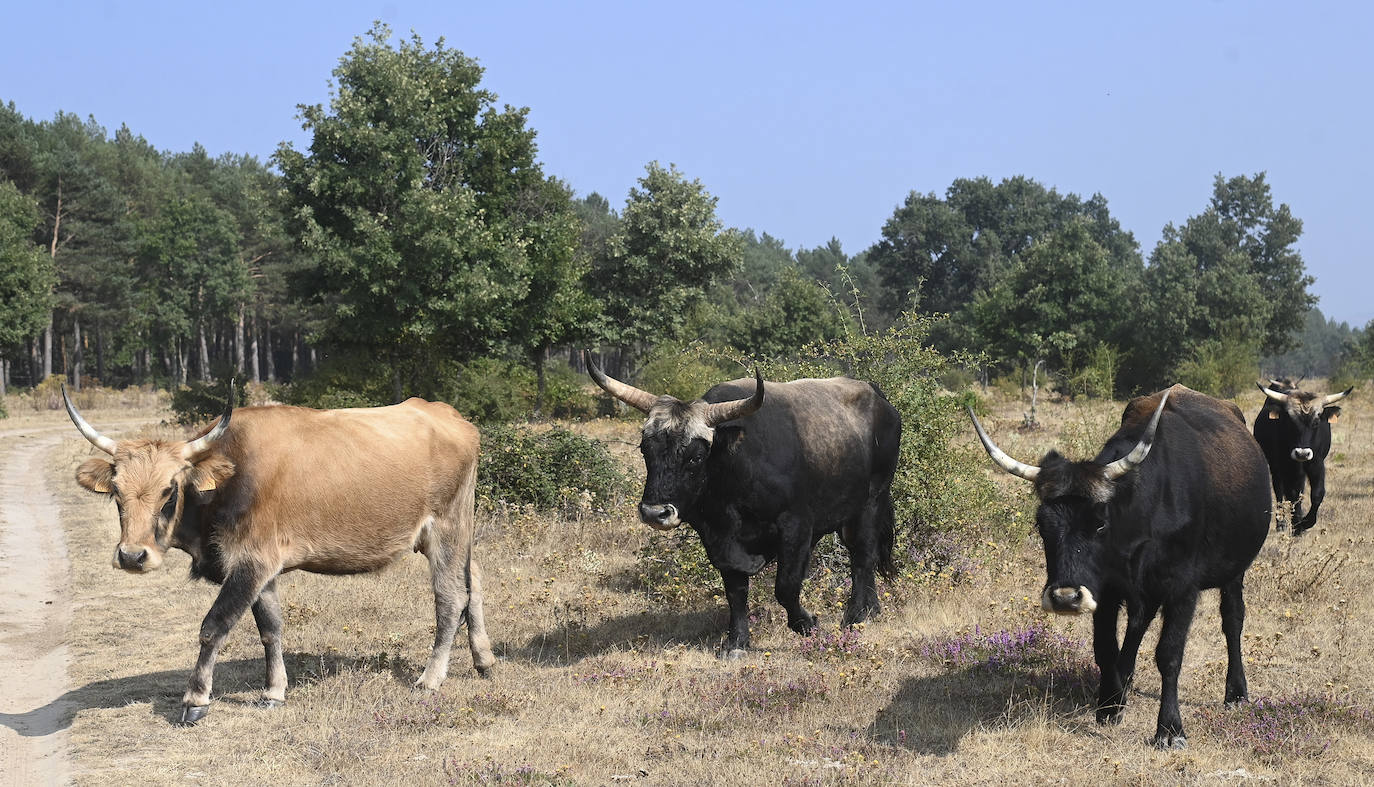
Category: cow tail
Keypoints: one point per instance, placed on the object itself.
(886, 527)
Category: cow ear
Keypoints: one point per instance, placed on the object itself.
(1331, 414)
(1273, 414)
(97, 475)
(728, 439)
(210, 473)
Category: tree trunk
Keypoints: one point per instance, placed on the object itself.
(238, 343)
(100, 351)
(267, 354)
(539, 388)
(204, 352)
(77, 355)
(47, 349)
(253, 349)
(4, 379)
(295, 356)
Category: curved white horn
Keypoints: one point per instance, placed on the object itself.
(1336, 397)
(87, 431)
(1272, 394)
(1018, 469)
(205, 442)
(1137, 455)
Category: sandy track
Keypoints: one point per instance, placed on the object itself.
(34, 613)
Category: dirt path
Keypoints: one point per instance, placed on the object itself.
(34, 613)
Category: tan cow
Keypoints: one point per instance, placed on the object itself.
(283, 488)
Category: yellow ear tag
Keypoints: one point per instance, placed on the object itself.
(1333, 419)
(1273, 415)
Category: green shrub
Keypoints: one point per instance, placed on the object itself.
(549, 469)
(342, 380)
(1097, 378)
(1221, 367)
(568, 394)
(685, 371)
(198, 402)
(489, 390)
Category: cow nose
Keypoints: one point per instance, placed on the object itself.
(658, 514)
(1066, 598)
(132, 561)
(1302, 454)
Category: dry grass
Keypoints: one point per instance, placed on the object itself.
(598, 685)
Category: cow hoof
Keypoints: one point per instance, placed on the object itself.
(1167, 741)
(733, 654)
(483, 672)
(1111, 716)
(192, 714)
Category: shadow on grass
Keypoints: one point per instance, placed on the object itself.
(654, 630)
(164, 689)
(932, 714)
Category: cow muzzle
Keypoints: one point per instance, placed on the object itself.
(659, 517)
(1301, 454)
(1068, 600)
(136, 560)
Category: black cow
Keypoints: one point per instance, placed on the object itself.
(1294, 429)
(766, 483)
(1173, 504)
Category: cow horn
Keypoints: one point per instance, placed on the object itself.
(1137, 455)
(640, 400)
(87, 431)
(205, 442)
(1331, 399)
(1272, 394)
(1018, 469)
(720, 412)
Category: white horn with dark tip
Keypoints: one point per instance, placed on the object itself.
(1331, 399)
(1282, 398)
(207, 441)
(1137, 455)
(1018, 469)
(639, 399)
(87, 431)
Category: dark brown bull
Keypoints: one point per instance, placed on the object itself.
(284, 488)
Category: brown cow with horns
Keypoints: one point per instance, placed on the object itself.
(283, 488)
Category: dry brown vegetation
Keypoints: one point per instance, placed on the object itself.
(598, 684)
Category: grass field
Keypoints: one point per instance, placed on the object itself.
(956, 683)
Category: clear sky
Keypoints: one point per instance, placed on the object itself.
(807, 120)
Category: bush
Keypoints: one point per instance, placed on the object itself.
(342, 380)
(490, 390)
(568, 394)
(1221, 367)
(551, 469)
(1097, 378)
(685, 371)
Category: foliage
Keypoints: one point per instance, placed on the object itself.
(26, 273)
(548, 469)
(1096, 379)
(1320, 346)
(1288, 725)
(428, 212)
(666, 252)
(684, 371)
(341, 380)
(1036, 654)
(198, 402)
(1061, 294)
(1221, 367)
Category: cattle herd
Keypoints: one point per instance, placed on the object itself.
(1175, 502)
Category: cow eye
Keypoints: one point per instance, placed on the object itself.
(170, 507)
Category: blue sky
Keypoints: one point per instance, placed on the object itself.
(806, 120)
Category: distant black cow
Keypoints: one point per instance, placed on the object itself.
(761, 483)
(1173, 504)
(1294, 429)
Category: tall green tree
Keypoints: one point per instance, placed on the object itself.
(669, 249)
(26, 275)
(409, 198)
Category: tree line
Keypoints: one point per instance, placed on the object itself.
(418, 231)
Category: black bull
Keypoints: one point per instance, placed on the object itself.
(1294, 430)
(763, 479)
(1173, 504)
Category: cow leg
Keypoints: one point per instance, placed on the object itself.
(1111, 699)
(864, 557)
(242, 587)
(1316, 481)
(1138, 618)
(737, 595)
(451, 580)
(267, 614)
(794, 557)
(1173, 635)
(1232, 621)
(478, 641)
